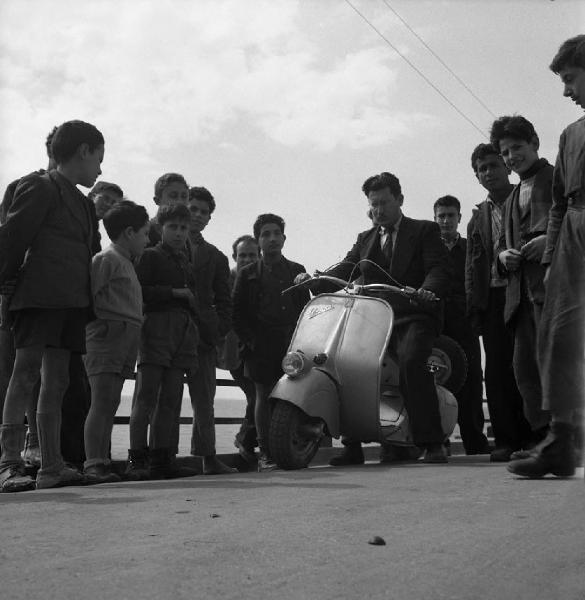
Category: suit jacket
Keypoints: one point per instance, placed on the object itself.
(46, 244)
(419, 259)
(211, 271)
(531, 273)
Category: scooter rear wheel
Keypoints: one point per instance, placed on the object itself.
(294, 436)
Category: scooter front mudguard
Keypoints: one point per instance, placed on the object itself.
(314, 393)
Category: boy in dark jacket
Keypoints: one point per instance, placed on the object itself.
(168, 345)
(264, 319)
(521, 248)
(46, 245)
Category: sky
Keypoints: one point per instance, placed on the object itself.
(283, 106)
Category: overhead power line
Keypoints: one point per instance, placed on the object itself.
(439, 58)
(413, 66)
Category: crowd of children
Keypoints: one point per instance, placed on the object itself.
(161, 297)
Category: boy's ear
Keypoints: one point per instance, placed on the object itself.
(83, 150)
(156, 200)
(535, 142)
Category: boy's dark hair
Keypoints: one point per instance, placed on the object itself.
(105, 186)
(570, 54)
(165, 180)
(122, 215)
(242, 238)
(202, 194)
(70, 135)
(264, 220)
(515, 127)
(49, 141)
(447, 201)
(381, 181)
(174, 212)
(480, 152)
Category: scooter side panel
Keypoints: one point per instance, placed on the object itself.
(314, 393)
(359, 359)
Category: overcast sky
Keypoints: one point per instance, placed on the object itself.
(280, 105)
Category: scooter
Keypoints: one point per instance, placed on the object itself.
(341, 379)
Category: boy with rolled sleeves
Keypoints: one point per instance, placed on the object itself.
(112, 338)
(561, 346)
(46, 246)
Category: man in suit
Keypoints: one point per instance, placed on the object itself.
(485, 287)
(409, 252)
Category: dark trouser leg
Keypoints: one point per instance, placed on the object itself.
(263, 413)
(509, 426)
(247, 434)
(413, 342)
(202, 386)
(470, 397)
(76, 404)
(525, 363)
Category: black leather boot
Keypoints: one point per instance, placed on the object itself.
(556, 455)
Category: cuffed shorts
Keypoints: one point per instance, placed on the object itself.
(169, 339)
(112, 347)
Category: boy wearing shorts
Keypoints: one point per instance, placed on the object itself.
(168, 347)
(112, 339)
(46, 245)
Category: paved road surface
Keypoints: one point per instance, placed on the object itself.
(462, 531)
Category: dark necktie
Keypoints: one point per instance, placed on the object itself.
(386, 241)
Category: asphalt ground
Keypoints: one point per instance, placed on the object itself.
(463, 531)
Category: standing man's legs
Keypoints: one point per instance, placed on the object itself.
(510, 428)
(202, 387)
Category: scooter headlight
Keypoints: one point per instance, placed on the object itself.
(293, 364)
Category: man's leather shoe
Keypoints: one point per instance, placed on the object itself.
(350, 455)
(435, 454)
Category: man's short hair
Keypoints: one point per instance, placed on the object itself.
(482, 151)
(515, 127)
(447, 201)
(570, 54)
(122, 215)
(265, 219)
(203, 195)
(70, 135)
(165, 180)
(381, 181)
(173, 212)
(102, 187)
(49, 141)
(243, 238)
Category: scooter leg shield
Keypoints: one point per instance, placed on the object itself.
(315, 394)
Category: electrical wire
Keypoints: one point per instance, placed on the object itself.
(439, 58)
(413, 66)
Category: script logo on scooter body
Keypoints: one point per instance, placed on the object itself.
(319, 310)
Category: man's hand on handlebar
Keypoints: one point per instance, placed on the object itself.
(425, 295)
(301, 277)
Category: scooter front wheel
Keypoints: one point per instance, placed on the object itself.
(294, 436)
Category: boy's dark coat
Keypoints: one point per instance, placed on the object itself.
(47, 243)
